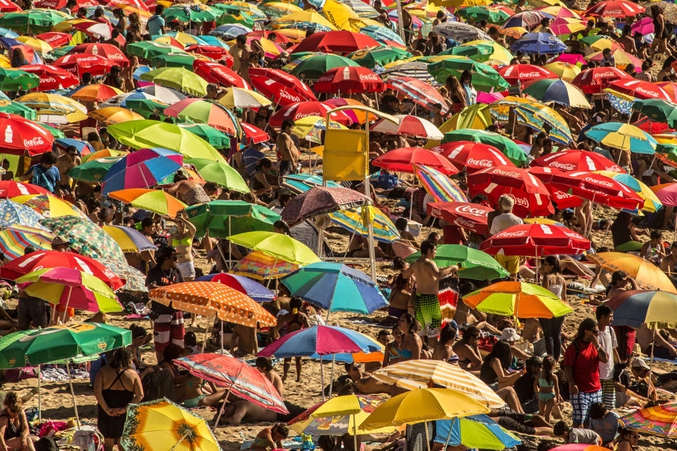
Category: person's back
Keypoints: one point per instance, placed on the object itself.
(504, 221)
(580, 435)
(156, 24)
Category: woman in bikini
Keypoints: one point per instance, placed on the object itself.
(410, 343)
(14, 429)
(391, 354)
(291, 322)
(199, 393)
(468, 351)
(182, 241)
(444, 349)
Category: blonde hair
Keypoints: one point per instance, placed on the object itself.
(506, 202)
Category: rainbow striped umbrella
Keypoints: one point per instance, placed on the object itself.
(439, 185)
(657, 420)
(258, 265)
(14, 239)
(352, 220)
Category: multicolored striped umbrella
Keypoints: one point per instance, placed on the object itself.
(352, 220)
(14, 239)
(130, 240)
(260, 266)
(651, 202)
(657, 420)
(439, 185)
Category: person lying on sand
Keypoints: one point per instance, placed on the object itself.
(243, 411)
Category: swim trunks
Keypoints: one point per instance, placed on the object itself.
(428, 314)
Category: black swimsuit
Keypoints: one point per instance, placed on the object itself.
(11, 431)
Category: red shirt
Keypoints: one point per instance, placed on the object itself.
(585, 366)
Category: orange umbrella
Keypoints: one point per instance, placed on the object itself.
(357, 115)
(114, 115)
(154, 200)
(95, 93)
(214, 298)
(522, 300)
(647, 275)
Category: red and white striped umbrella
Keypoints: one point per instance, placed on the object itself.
(409, 126)
(418, 91)
(254, 134)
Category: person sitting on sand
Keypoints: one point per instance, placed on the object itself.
(576, 435)
(495, 373)
(469, 357)
(197, 395)
(14, 429)
(270, 438)
(265, 367)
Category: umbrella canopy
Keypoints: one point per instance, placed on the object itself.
(460, 32)
(315, 66)
(142, 169)
(640, 89)
(657, 420)
(81, 63)
(163, 424)
(355, 221)
(381, 55)
(404, 159)
(502, 143)
(49, 206)
(153, 200)
(419, 91)
(321, 200)
(19, 135)
(341, 42)
(253, 289)
(129, 239)
(350, 80)
(219, 172)
(94, 93)
(524, 72)
(614, 8)
(108, 51)
(478, 431)
(518, 299)
(647, 275)
(214, 299)
(51, 344)
(632, 308)
(229, 217)
(557, 91)
(114, 115)
(319, 341)
(17, 80)
(301, 110)
(537, 240)
(651, 202)
(70, 288)
(203, 112)
(178, 78)
(538, 44)
(462, 214)
(336, 287)
(276, 245)
(258, 265)
(94, 170)
(14, 239)
(408, 125)
(577, 160)
(13, 213)
(279, 86)
(472, 156)
(85, 237)
(475, 264)
(438, 185)
(134, 280)
(484, 77)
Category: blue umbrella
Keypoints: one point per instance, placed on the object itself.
(381, 34)
(12, 213)
(83, 147)
(7, 33)
(300, 183)
(477, 431)
(253, 289)
(142, 169)
(538, 43)
(230, 31)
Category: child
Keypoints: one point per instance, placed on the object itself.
(547, 388)
(576, 435)
(604, 422)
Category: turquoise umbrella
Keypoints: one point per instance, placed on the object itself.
(624, 137)
(93, 170)
(223, 218)
(12, 213)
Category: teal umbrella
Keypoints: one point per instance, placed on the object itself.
(93, 170)
(502, 143)
(314, 67)
(213, 136)
(146, 107)
(174, 59)
(17, 80)
(54, 131)
(223, 218)
(32, 21)
(475, 264)
(380, 56)
(191, 13)
(17, 108)
(657, 109)
(484, 77)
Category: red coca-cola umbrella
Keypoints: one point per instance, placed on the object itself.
(471, 156)
(85, 62)
(280, 87)
(296, 111)
(212, 51)
(593, 81)
(218, 73)
(525, 72)
(577, 160)
(55, 38)
(653, 127)
(640, 89)
(350, 79)
(52, 78)
(469, 216)
(254, 134)
(536, 240)
(19, 136)
(341, 42)
(10, 188)
(58, 4)
(108, 51)
(531, 196)
(7, 6)
(404, 159)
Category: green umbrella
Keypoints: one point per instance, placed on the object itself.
(148, 133)
(86, 237)
(241, 18)
(381, 56)
(174, 59)
(241, 8)
(178, 78)
(477, 13)
(18, 108)
(145, 107)
(314, 67)
(276, 245)
(54, 131)
(658, 110)
(223, 218)
(502, 143)
(475, 264)
(149, 49)
(484, 77)
(32, 21)
(192, 13)
(213, 136)
(221, 173)
(17, 80)
(61, 51)
(93, 170)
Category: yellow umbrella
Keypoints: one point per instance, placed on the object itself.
(602, 44)
(52, 104)
(305, 16)
(477, 117)
(243, 98)
(5, 62)
(104, 153)
(114, 115)
(154, 200)
(566, 71)
(292, 33)
(647, 275)
(539, 220)
(540, 3)
(163, 425)
(310, 128)
(36, 44)
(49, 206)
(286, 8)
(557, 11)
(514, 32)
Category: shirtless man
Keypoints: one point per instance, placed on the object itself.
(65, 162)
(187, 191)
(428, 276)
(367, 385)
(286, 149)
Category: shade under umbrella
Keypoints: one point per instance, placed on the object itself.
(321, 200)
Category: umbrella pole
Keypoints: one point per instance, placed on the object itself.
(322, 379)
(538, 276)
(446, 442)
(230, 248)
(68, 301)
(221, 336)
(427, 436)
(204, 342)
(70, 383)
(331, 384)
(355, 433)
(653, 346)
(39, 396)
(222, 409)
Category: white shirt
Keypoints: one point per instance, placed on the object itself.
(608, 342)
(503, 221)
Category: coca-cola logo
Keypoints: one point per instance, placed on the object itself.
(608, 74)
(47, 80)
(480, 163)
(511, 174)
(514, 234)
(563, 166)
(117, 57)
(88, 59)
(599, 182)
(647, 92)
(465, 223)
(521, 201)
(471, 210)
(369, 77)
(531, 74)
(36, 141)
(286, 95)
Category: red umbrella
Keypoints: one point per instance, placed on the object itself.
(419, 91)
(639, 89)
(342, 42)
(254, 134)
(351, 79)
(218, 73)
(468, 216)
(577, 160)
(108, 51)
(617, 9)
(55, 259)
(537, 240)
(409, 126)
(212, 51)
(19, 135)
(7, 6)
(525, 72)
(58, 4)
(279, 86)
(471, 156)
(653, 127)
(530, 194)
(593, 81)
(55, 38)
(277, 37)
(10, 188)
(85, 62)
(52, 78)
(296, 111)
(403, 159)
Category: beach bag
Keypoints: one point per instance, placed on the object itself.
(88, 438)
(19, 374)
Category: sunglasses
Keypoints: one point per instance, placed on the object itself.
(594, 331)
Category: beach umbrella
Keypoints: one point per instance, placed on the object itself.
(142, 169)
(336, 288)
(218, 73)
(666, 193)
(19, 136)
(382, 34)
(253, 289)
(237, 376)
(149, 134)
(80, 63)
(93, 170)
(17, 80)
(657, 109)
(300, 110)
(53, 105)
(462, 214)
(134, 280)
(439, 185)
(524, 72)
(204, 112)
(315, 66)
(565, 71)
(85, 237)
(460, 32)
(14, 239)
(488, 52)
(634, 307)
(477, 116)
(258, 265)
(108, 51)
(153, 200)
(94, 93)
(472, 156)
(419, 91)
(380, 55)
(149, 49)
(410, 69)
(595, 80)
(349, 79)
(10, 188)
(527, 19)
(10, 107)
(651, 202)
(476, 431)
(484, 77)
(536, 240)
(622, 136)
(13, 213)
(404, 159)
(656, 420)
(647, 275)
(409, 125)
(230, 31)
(474, 264)
(538, 44)
(480, 12)
(32, 21)
(214, 137)
(219, 172)
(300, 183)
(163, 424)
(7, 6)
(615, 8)
(280, 87)
(197, 13)
(517, 299)
(114, 115)
(48, 205)
(178, 78)
(557, 91)
(276, 245)
(222, 218)
(129, 239)
(507, 146)
(639, 89)
(254, 134)
(243, 98)
(577, 161)
(354, 221)
(321, 200)
(213, 299)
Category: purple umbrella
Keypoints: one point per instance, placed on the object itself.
(142, 169)
(254, 290)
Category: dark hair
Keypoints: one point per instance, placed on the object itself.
(12, 401)
(265, 363)
(602, 310)
(401, 223)
(470, 332)
(500, 351)
(656, 235)
(427, 246)
(48, 158)
(586, 324)
(281, 225)
(280, 428)
(164, 253)
(121, 359)
(159, 9)
(399, 263)
(597, 410)
(553, 261)
(264, 163)
(286, 123)
(560, 428)
(447, 333)
(241, 39)
(171, 352)
(625, 432)
(295, 303)
(137, 331)
(411, 320)
(617, 276)
(548, 366)
(284, 197)
(533, 362)
(190, 339)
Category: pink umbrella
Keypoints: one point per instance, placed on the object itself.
(489, 97)
(571, 58)
(644, 26)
